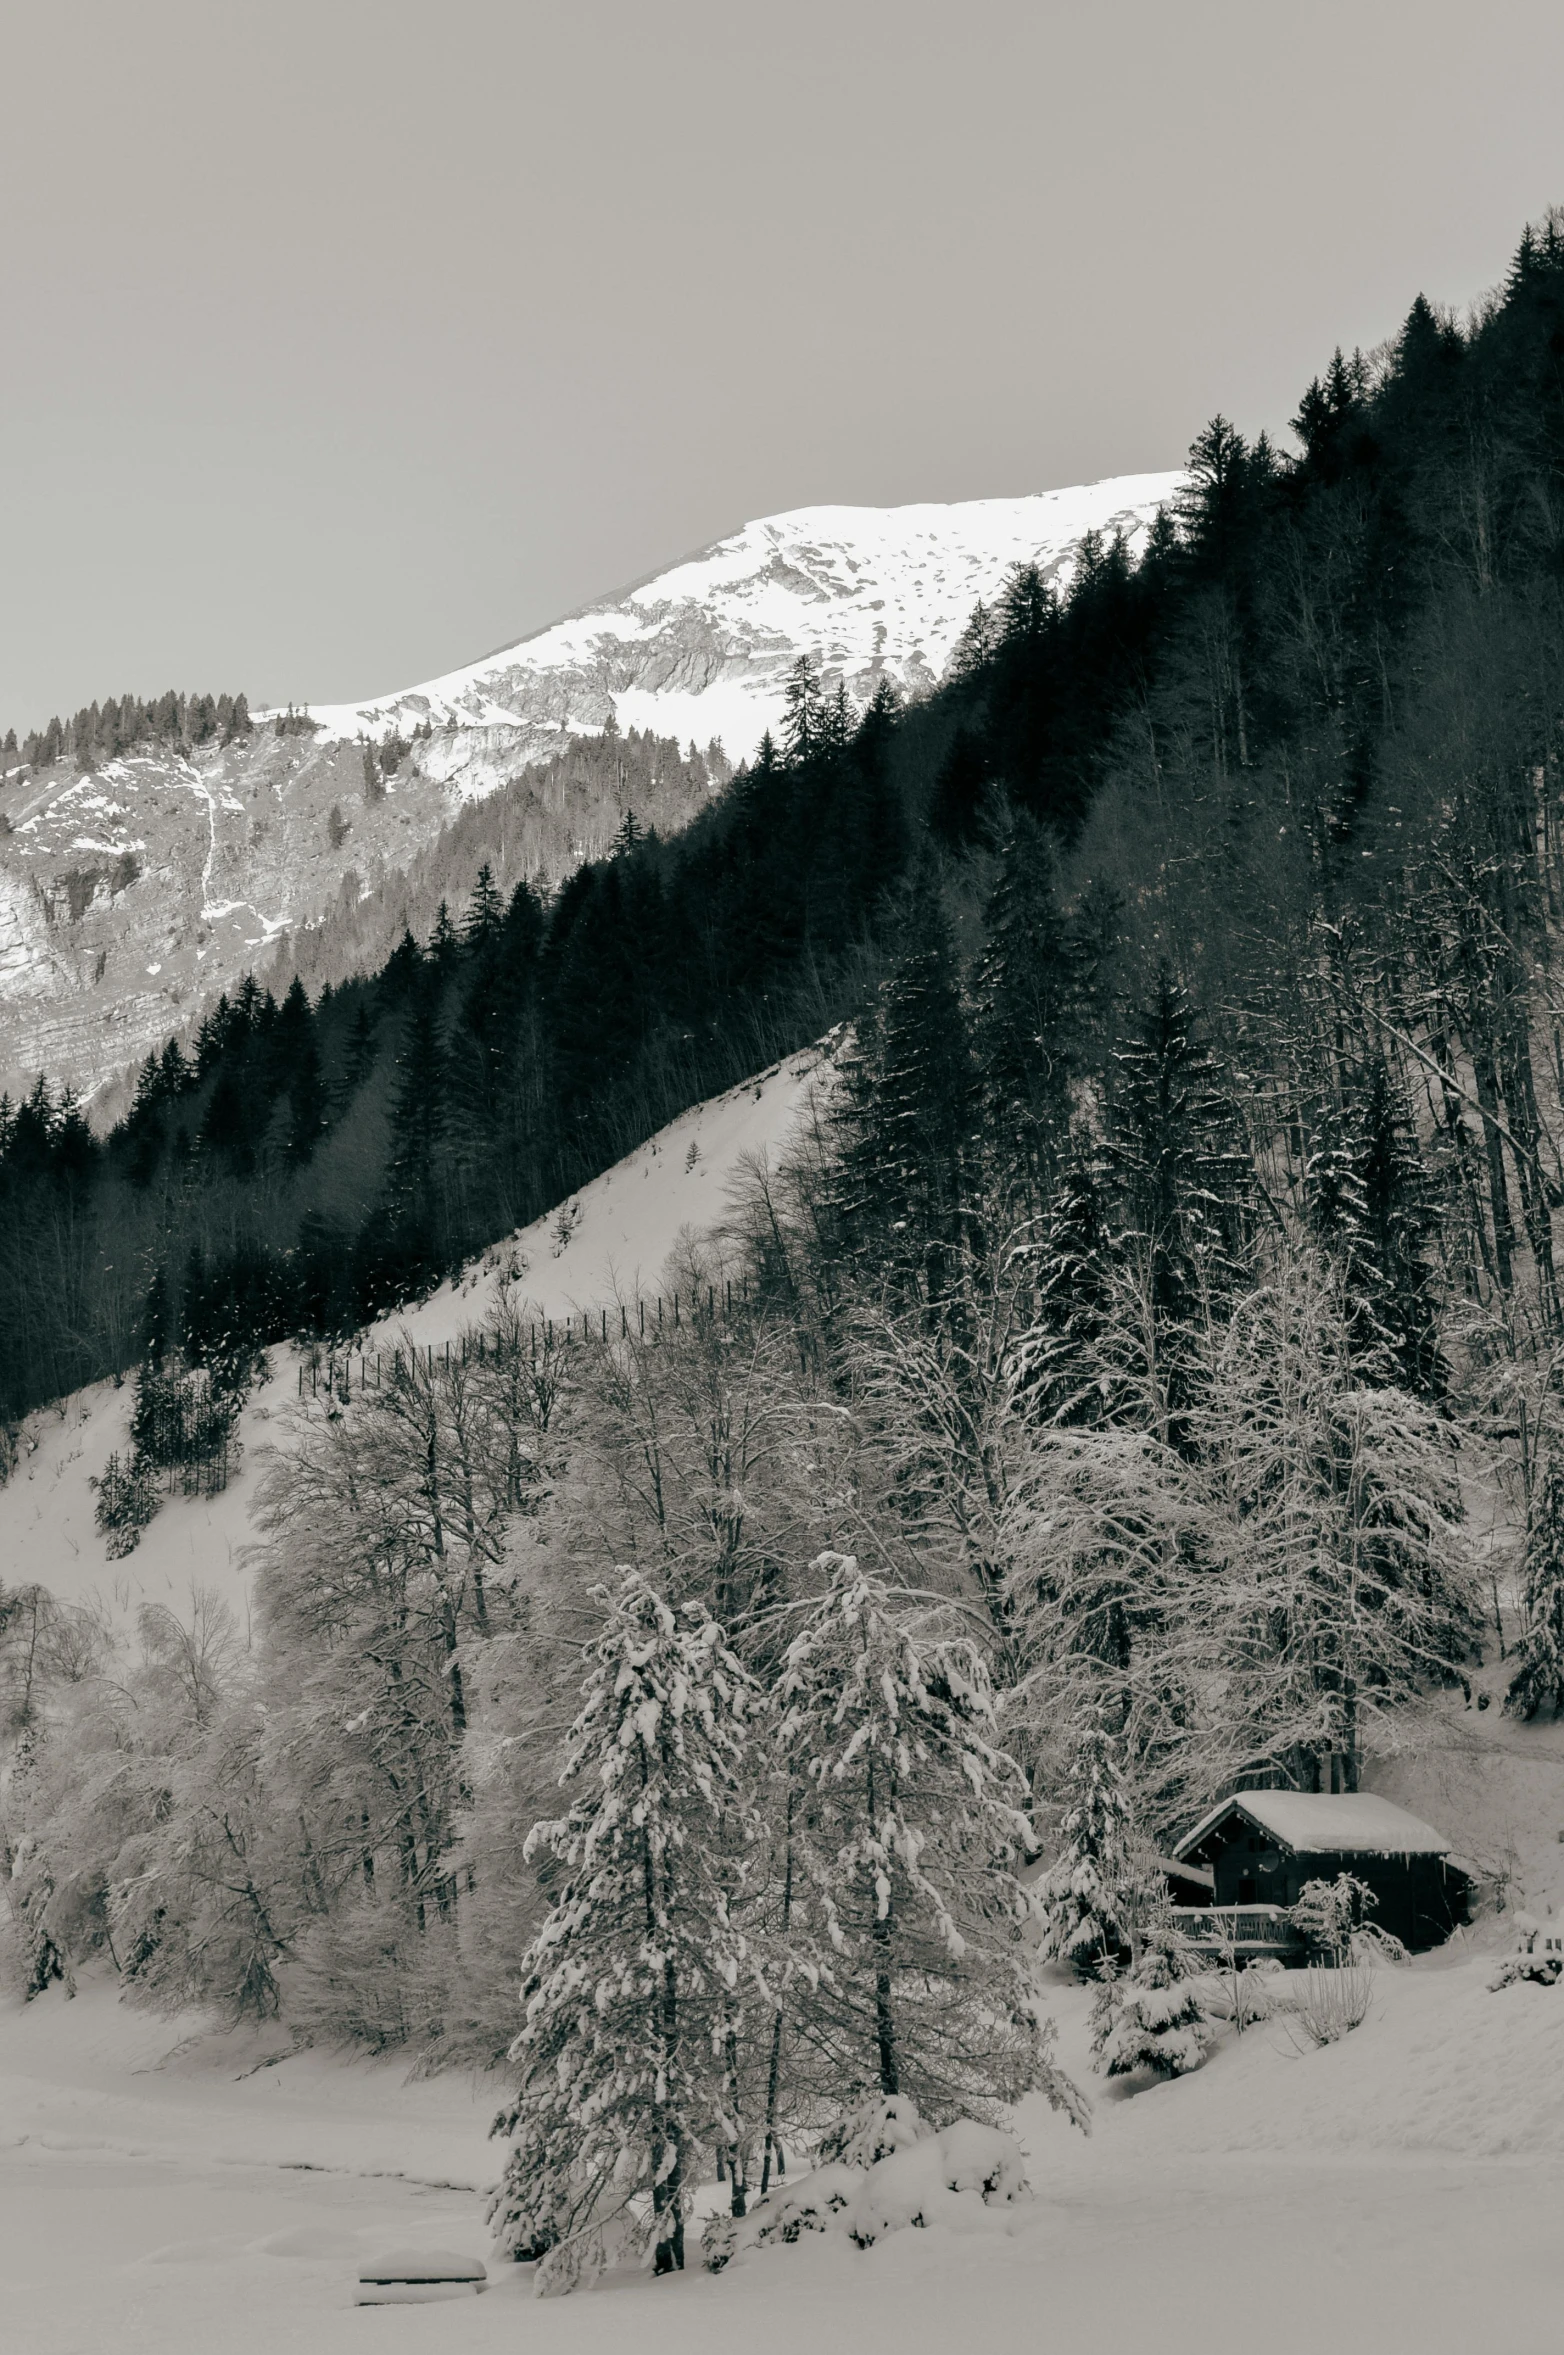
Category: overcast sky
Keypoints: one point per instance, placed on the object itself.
(345, 342)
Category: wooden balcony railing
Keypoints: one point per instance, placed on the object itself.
(1246, 1927)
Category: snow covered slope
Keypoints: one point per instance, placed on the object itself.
(130, 897)
(702, 650)
(621, 1229)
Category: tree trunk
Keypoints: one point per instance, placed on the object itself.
(884, 2023)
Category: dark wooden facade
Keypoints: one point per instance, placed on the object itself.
(1421, 1895)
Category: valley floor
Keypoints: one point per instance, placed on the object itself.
(164, 2185)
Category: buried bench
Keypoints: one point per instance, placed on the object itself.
(418, 2277)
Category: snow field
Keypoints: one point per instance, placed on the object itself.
(160, 2186)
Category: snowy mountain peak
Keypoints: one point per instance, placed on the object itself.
(131, 895)
(701, 649)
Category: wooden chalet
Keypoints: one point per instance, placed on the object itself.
(1259, 1848)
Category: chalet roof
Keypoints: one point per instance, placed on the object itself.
(1312, 1823)
(1188, 1872)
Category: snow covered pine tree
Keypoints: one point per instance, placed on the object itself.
(1087, 1895)
(632, 1985)
(909, 1830)
(1155, 2018)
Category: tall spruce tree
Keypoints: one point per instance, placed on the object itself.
(909, 1114)
(904, 1860)
(485, 911)
(632, 1986)
(1088, 1897)
(419, 1120)
(1027, 995)
(803, 712)
(1176, 1152)
(1369, 1205)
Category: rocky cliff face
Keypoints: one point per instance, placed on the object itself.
(129, 897)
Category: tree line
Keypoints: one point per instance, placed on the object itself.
(102, 732)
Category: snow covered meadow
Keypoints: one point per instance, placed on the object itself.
(168, 2183)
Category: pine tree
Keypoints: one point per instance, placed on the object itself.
(444, 944)
(975, 646)
(1333, 1506)
(1539, 1672)
(295, 1073)
(905, 1853)
(362, 1050)
(1155, 2018)
(803, 711)
(1089, 1895)
(1027, 994)
(1028, 608)
(1059, 1362)
(961, 791)
(908, 1117)
(226, 1129)
(1390, 1273)
(1176, 1148)
(308, 1109)
(402, 968)
(194, 1306)
(419, 1117)
(485, 911)
(632, 1985)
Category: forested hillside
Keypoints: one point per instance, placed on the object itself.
(1084, 1420)
(1304, 752)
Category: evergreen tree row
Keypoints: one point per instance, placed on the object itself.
(100, 732)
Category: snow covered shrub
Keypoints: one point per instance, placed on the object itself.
(1541, 1970)
(918, 2179)
(939, 2180)
(1541, 1964)
(631, 1992)
(875, 2130)
(872, 2131)
(814, 2203)
(1332, 1916)
(1331, 2003)
(1159, 2017)
(30, 1892)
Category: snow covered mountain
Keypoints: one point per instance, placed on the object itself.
(701, 651)
(130, 896)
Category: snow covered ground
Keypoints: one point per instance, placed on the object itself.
(621, 1229)
(165, 2184)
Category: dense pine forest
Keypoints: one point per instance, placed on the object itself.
(1084, 1419)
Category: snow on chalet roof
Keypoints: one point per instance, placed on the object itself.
(1319, 1822)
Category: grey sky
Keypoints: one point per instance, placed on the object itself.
(346, 341)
